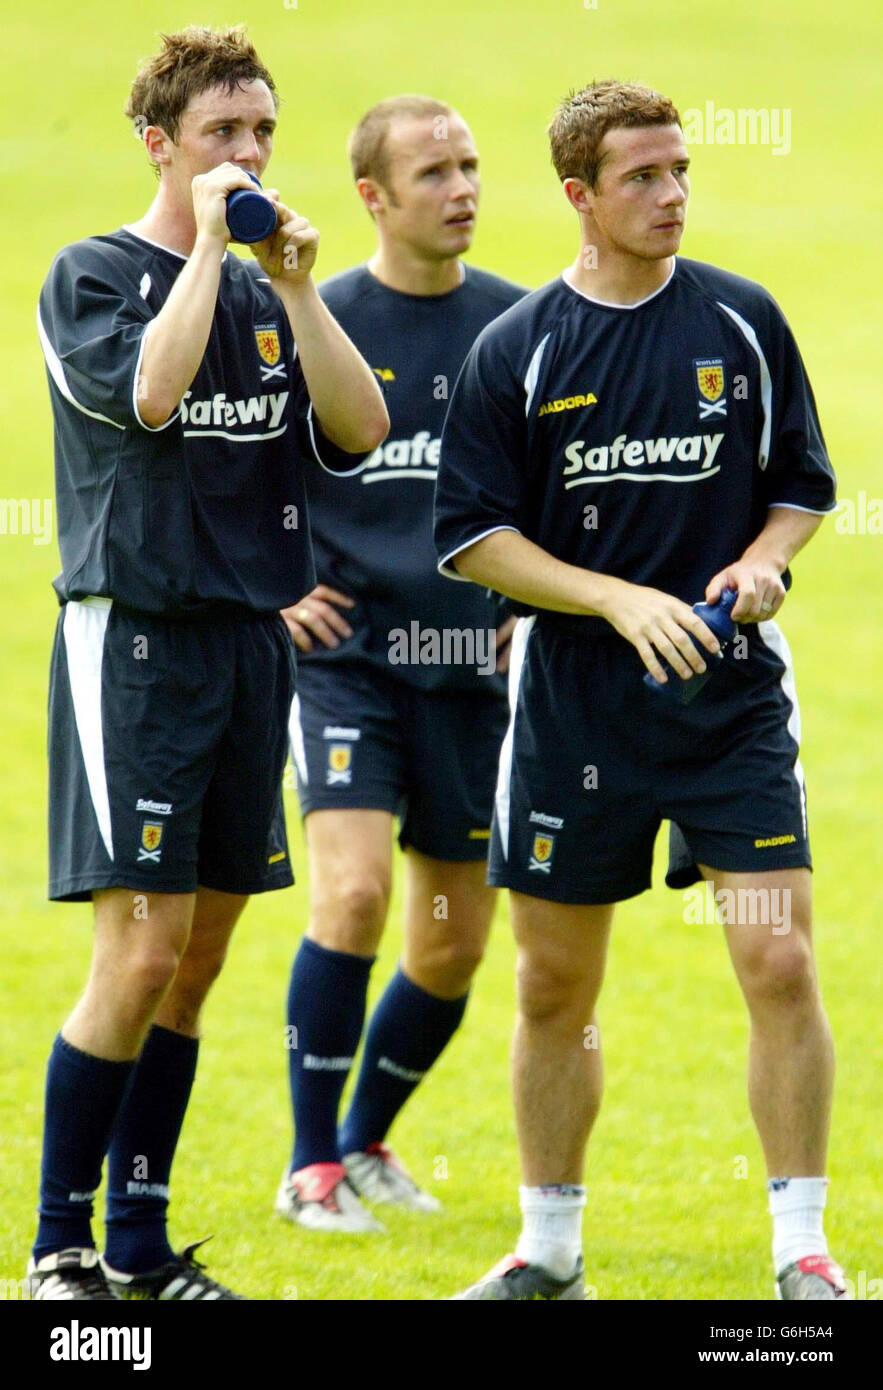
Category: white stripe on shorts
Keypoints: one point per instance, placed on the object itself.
(298, 747)
(773, 637)
(84, 626)
(523, 629)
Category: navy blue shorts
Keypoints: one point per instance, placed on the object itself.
(167, 744)
(593, 762)
(363, 740)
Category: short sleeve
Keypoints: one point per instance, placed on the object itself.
(92, 320)
(798, 473)
(482, 473)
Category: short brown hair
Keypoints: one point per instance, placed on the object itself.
(367, 146)
(583, 119)
(188, 63)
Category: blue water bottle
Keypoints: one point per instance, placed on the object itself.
(717, 617)
(250, 216)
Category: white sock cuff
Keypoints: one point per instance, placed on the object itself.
(551, 1197)
(796, 1194)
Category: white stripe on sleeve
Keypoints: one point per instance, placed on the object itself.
(533, 373)
(56, 371)
(766, 383)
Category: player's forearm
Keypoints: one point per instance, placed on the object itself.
(515, 566)
(785, 533)
(343, 389)
(176, 339)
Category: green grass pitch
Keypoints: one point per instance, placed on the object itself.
(667, 1216)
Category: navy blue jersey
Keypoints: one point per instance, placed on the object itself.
(208, 510)
(643, 441)
(372, 529)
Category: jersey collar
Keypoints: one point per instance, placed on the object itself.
(159, 246)
(605, 303)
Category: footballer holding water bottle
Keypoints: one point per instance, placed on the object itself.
(635, 437)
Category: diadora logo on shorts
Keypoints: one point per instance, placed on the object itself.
(772, 840)
(266, 335)
(566, 403)
(644, 454)
(151, 839)
(403, 458)
(711, 383)
(210, 415)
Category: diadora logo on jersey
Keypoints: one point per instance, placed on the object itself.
(566, 403)
(642, 453)
(540, 861)
(403, 458)
(711, 382)
(151, 839)
(339, 771)
(210, 415)
(266, 335)
(385, 373)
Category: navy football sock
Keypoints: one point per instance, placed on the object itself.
(83, 1095)
(142, 1147)
(326, 1006)
(409, 1030)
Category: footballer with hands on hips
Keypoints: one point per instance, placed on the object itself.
(185, 417)
(372, 736)
(635, 436)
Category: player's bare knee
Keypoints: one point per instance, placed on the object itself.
(350, 914)
(782, 972)
(461, 959)
(150, 971)
(445, 968)
(546, 991)
(197, 974)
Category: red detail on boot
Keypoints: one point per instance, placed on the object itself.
(508, 1262)
(825, 1267)
(317, 1181)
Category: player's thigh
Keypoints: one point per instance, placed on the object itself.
(350, 865)
(561, 953)
(243, 847)
(448, 910)
(138, 935)
(214, 918)
(575, 814)
(134, 724)
(768, 927)
(346, 738)
(453, 747)
(729, 775)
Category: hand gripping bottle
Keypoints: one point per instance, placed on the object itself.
(717, 617)
(250, 216)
